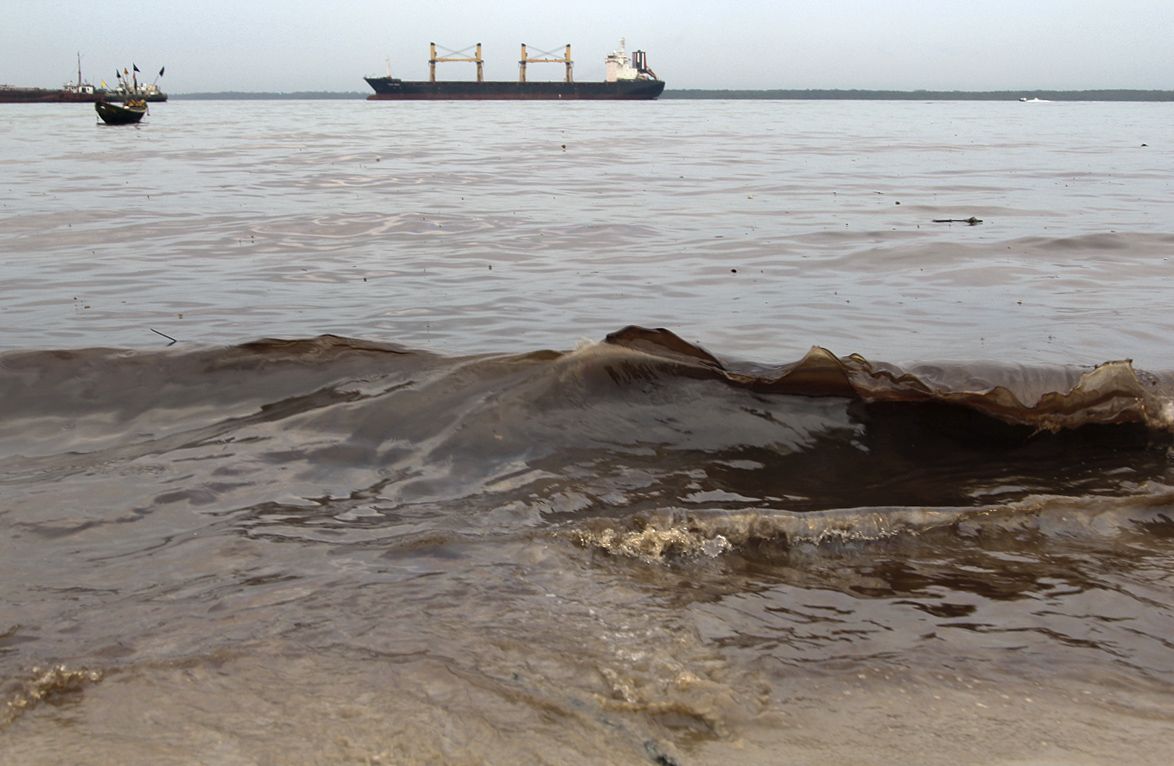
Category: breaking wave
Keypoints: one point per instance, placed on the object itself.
(641, 445)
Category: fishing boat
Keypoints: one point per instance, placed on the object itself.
(127, 113)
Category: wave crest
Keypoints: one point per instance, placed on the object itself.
(675, 535)
(1050, 399)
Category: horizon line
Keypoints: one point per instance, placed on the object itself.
(1111, 94)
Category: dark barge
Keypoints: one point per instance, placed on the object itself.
(72, 95)
(82, 92)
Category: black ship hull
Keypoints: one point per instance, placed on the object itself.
(390, 89)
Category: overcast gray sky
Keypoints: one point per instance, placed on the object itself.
(289, 45)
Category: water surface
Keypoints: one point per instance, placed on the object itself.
(420, 480)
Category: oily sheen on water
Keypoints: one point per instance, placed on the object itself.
(474, 448)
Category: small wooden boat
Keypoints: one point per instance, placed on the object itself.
(121, 114)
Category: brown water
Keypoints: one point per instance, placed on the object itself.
(413, 534)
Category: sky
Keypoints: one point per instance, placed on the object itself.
(305, 45)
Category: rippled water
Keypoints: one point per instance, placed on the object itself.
(460, 516)
(757, 228)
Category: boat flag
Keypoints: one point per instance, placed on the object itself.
(125, 70)
(161, 70)
(135, 67)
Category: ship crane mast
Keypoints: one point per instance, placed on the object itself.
(433, 60)
(549, 58)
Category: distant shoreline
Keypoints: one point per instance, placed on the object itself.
(236, 95)
(926, 95)
(774, 94)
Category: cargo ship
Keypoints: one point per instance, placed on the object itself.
(86, 93)
(626, 78)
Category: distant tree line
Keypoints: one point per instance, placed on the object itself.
(236, 95)
(808, 95)
(929, 95)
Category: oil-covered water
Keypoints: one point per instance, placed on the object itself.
(419, 480)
